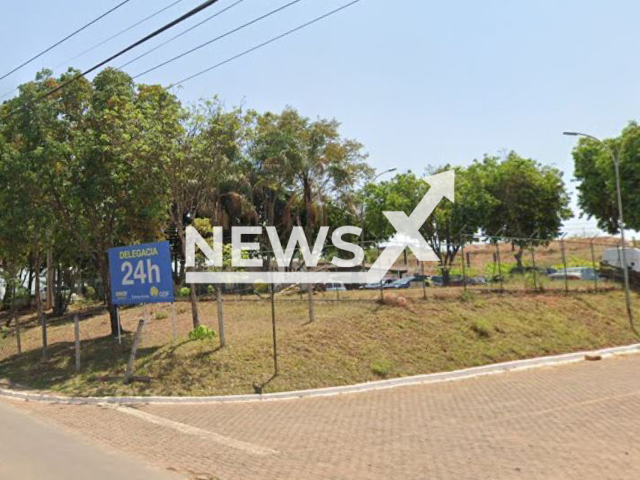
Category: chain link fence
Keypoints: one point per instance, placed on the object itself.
(482, 264)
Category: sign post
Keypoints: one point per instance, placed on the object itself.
(140, 274)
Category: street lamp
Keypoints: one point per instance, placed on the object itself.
(390, 170)
(615, 156)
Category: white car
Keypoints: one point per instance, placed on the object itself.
(335, 287)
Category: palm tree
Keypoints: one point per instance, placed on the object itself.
(316, 162)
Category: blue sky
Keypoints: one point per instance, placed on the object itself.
(418, 82)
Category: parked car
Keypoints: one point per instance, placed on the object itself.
(379, 285)
(575, 273)
(454, 281)
(476, 281)
(407, 281)
(335, 287)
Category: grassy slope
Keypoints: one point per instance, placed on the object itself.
(349, 343)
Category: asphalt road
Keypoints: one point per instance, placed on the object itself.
(32, 449)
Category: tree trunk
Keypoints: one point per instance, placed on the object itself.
(192, 287)
(223, 340)
(309, 220)
(41, 317)
(446, 277)
(113, 313)
(193, 296)
(30, 282)
(50, 280)
(8, 299)
(518, 256)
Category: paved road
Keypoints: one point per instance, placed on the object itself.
(31, 449)
(577, 421)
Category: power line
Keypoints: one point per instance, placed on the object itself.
(181, 34)
(140, 22)
(173, 23)
(65, 39)
(264, 44)
(220, 37)
(121, 32)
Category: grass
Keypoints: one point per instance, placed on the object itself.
(350, 342)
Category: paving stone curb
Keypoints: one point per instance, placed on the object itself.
(331, 391)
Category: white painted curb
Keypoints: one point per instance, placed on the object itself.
(324, 392)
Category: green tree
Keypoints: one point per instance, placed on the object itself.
(594, 171)
(529, 201)
(445, 228)
(202, 173)
(38, 135)
(120, 190)
(315, 162)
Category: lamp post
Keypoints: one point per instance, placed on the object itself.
(615, 156)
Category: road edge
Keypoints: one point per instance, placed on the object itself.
(441, 377)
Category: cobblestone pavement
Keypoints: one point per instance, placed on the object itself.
(577, 421)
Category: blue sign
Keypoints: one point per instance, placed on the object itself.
(141, 274)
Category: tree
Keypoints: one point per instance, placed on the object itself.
(119, 193)
(529, 201)
(315, 163)
(202, 172)
(594, 171)
(37, 134)
(12, 253)
(445, 228)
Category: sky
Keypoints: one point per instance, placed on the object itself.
(419, 83)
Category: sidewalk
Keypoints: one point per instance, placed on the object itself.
(570, 421)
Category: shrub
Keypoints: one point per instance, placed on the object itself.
(22, 292)
(381, 367)
(211, 289)
(161, 315)
(202, 333)
(261, 288)
(468, 297)
(482, 328)
(185, 291)
(90, 293)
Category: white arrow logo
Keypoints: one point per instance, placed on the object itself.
(407, 235)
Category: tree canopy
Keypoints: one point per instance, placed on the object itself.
(594, 170)
(108, 162)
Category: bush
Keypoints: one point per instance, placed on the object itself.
(482, 328)
(211, 289)
(22, 292)
(90, 293)
(381, 367)
(185, 292)
(202, 333)
(261, 288)
(161, 315)
(468, 297)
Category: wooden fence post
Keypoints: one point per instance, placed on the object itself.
(136, 342)
(593, 264)
(174, 323)
(76, 321)
(16, 319)
(564, 263)
(223, 339)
